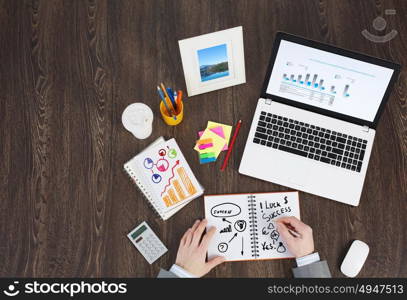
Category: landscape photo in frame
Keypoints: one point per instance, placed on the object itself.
(213, 62)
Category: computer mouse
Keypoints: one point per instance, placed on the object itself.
(355, 258)
(138, 118)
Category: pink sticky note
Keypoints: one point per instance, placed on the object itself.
(204, 146)
(219, 131)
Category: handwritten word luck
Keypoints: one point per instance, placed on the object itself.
(271, 205)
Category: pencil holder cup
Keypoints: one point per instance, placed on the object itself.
(170, 120)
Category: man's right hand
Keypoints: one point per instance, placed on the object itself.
(297, 235)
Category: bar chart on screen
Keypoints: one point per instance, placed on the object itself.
(314, 87)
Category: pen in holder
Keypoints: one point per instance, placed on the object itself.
(170, 120)
(171, 105)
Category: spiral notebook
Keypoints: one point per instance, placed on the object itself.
(245, 224)
(163, 175)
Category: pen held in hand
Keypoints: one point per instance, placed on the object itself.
(289, 228)
(294, 233)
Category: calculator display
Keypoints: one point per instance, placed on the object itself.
(139, 231)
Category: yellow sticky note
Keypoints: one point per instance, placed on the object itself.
(227, 130)
(217, 141)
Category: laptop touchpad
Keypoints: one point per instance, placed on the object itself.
(299, 172)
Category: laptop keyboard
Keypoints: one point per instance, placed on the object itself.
(310, 141)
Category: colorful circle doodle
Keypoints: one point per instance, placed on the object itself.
(162, 165)
(172, 153)
(156, 178)
(162, 152)
(148, 163)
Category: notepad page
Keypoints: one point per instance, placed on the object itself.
(169, 175)
(132, 168)
(230, 215)
(269, 207)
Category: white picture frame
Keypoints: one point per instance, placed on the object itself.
(204, 60)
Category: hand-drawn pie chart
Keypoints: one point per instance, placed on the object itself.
(156, 178)
(162, 152)
(162, 165)
(172, 153)
(148, 163)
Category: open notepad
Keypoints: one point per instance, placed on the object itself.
(164, 177)
(246, 226)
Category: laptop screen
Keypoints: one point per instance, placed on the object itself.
(329, 81)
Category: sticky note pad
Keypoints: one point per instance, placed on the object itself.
(207, 160)
(217, 142)
(213, 140)
(204, 141)
(207, 155)
(227, 129)
(204, 144)
(224, 131)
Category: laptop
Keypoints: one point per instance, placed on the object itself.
(315, 121)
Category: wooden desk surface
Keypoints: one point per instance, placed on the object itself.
(69, 68)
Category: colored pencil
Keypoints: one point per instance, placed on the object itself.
(167, 97)
(160, 93)
(165, 103)
(225, 162)
(171, 95)
(179, 100)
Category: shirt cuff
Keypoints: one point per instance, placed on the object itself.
(307, 259)
(180, 272)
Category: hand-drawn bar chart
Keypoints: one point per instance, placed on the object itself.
(181, 188)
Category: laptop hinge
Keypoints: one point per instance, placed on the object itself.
(267, 101)
(365, 128)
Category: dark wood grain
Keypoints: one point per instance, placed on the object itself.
(69, 68)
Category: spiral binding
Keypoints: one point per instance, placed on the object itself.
(253, 226)
(147, 195)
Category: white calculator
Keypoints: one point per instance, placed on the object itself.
(147, 242)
